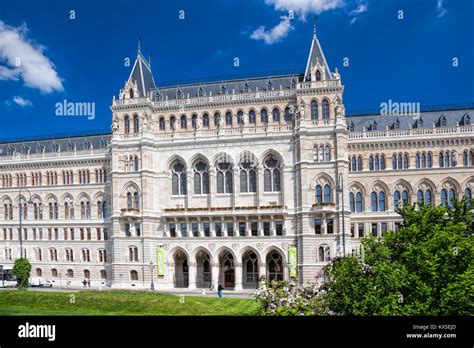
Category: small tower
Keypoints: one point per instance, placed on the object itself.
(317, 68)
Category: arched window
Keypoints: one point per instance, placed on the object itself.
(446, 159)
(184, 122)
(228, 118)
(327, 194)
(240, 117)
(173, 123)
(381, 201)
(217, 117)
(133, 275)
(453, 159)
(371, 163)
(129, 200)
(248, 176)
(429, 162)
(224, 176)
(54, 273)
(321, 153)
(354, 164)
(271, 175)
(325, 106)
(394, 162)
(468, 194)
(162, 123)
(451, 197)
(382, 162)
(359, 202)
(376, 162)
(420, 196)
(423, 160)
(263, 116)
(205, 120)
(352, 202)
(373, 201)
(319, 194)
(252, 117)
(287, 114)
(315, 153)
(318, 75)
(441, 160)
(314, 110)
(194, 121)
(178, 179)
(359, 163)
(70, 273)
(126, 124)
(428, 197)
(405, 197)
(201, 178)
(136, 200)
(417, 160)
(276, 115)
(405, 161)
(132, 254)
(444, 198)
(396, 199)
(136, 126)
(327, 151)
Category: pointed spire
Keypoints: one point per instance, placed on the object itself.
(314, 27)
(141, 74)
(139, 44)
(316, 57)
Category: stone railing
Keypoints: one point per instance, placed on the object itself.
(59, 154)
(271, 209)
(412, 132)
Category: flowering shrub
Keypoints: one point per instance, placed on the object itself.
(288, 298)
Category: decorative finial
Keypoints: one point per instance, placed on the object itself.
(139, 44)
(314, 26)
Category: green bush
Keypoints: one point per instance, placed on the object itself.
(21, 270)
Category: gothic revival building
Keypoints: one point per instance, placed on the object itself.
(223, 178)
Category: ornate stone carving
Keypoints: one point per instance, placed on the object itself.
(235, 246)
(166, 247)
(260, 246)
(115, 124)
(188, 246)
(211, 246)
(284, 246)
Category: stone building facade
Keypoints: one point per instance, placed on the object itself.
(225, 177)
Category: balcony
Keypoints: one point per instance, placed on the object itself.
(324, 207)
(130, 212)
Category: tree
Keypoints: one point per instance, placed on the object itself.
(21, 270)
(426, 268)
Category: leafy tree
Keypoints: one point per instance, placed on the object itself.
(426, 268)
(21, 270)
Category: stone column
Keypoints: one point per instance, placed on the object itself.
(260, 226)
(272, 226)
(262, 269)
(192, 275)
(224, 229)
(212, 227)
(200, 228)
(215, 274)
(238, 277)
(189, 229)
(248, 227)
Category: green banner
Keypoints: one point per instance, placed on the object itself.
(292, 260)
(160, 261)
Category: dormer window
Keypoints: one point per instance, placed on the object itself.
(318, 75)
(293, 83)
(351, 126)
(396, 124)
(26, 150)
(442, 121)
(71, 146)
(269, 85)
(373, 126)
(179, 94)
(200, 92)
(131, 93)
(223, 89)
(246, 87)
(465, 120)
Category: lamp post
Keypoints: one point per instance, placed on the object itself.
(152, 266)
(21, 211)
(340, 188)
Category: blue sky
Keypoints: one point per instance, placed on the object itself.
(82, 59)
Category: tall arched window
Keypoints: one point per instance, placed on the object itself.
(217, 117)
(451, 197)
(396, 199)
(468, 194)
(318, 75)
(271, 175)
(327, 194)
(287, 114)
(423, 160)
(359, 163)
(248, 176)
(228, 118)
(325, 105)
(382, 162)
(194, 121)
(201, 178)
(315, 153)
(428, 197)
(446, 159)
(129, 200)
(136, 200)
(376, 162)
(276, 115)
(327, 153)
(178, 179)
(184, 122)
(381, 201)
(126, 124)
(354, 164)
(405, 161)
(394, 162)
(173, 123)
(252, 117)
(264, 116)
(417, 160)
(371, 163)
(359, 202)
(373, 201)
(429, 162)
(352, 201)
(162, 123)
(224, 176)
(318, 194)
(136, 124)
(444, 198)
(314, 110)
(441, 160)
(205, 120)
(405, 197)
(240, 117)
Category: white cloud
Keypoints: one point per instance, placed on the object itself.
(441, 10)
(358, 10)
(361, 8)
(303, 7)
(23, 59)
(275, 34)
(22, 102)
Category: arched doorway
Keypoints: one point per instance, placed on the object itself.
(227, 270)
(274, 266)
(203, 265)
(250, 270)
(181, 272)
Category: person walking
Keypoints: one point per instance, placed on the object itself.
(219, 289)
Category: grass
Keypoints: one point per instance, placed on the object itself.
(23, 302)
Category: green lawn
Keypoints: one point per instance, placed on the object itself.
(17, 302)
